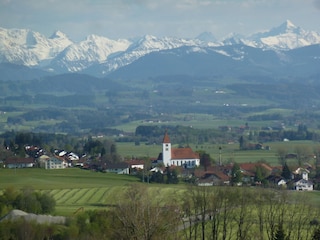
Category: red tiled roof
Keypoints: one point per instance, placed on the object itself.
(15, 160)
(211, 171)
(183, 153)
(252, 167)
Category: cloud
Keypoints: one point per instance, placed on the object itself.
(317, 4)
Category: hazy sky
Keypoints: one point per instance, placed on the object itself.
(180, 18)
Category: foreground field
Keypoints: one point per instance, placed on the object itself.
(71, 188)
(77, 190)
(197, 212)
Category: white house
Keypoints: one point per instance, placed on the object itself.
(135, 164)
(302, 172)
(302, 184)
(47, 162)
(119, 168)
(184, 157)
(16, 162)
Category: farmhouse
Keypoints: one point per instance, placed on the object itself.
(184, 157)
(47, 162)
(16, 162)
(303, 185)
(212, 176)
(301, 181)
(119, 168)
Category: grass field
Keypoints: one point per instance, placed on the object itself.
(229, 152)
(71, 188)
(78, 190)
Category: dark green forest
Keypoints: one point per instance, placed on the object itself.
(77, 103)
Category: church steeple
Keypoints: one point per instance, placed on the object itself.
(166, 150)
(166, 138)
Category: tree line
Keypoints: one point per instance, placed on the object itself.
(217, 213)
(26, 199)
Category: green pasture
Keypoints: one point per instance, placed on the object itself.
(71, 188)
(78, 190)
(69, 178)
(229, 152)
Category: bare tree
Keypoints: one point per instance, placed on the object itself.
(196, 204)
(143, 217)
(300, 216)
(275, 209)
(243, 216)
(281, 154)
(303, 152)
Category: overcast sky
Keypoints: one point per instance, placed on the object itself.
(180, 18)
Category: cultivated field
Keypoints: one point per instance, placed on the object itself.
(78, 190)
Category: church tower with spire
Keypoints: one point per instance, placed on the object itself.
(166, 150)
(182, 157)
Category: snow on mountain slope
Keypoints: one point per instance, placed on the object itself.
(143, 46)
(286, 36)
(94, 49)
(100, 55)
(25, 47)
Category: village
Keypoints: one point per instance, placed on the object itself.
(185, 164)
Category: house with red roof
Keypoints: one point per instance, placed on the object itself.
(212, 176)
(18, 162)
(184, 157)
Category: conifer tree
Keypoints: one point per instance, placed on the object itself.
(286, 173)
(316, 234)
(280, 235)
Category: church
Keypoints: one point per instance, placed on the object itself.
(184, 157)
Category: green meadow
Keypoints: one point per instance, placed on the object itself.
(229, 152)
(71, 188)
(77, 190)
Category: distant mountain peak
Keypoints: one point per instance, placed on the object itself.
(289, 24)
(23, 46)
(285, 27)
(206, 37)
(58, 34)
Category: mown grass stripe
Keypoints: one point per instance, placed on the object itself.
(87, 193)
(78, 195)
(76, 199)
(59, 195)
(66, 197)
(104, 193)
(94, 194)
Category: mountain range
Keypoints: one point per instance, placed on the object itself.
(286, 50)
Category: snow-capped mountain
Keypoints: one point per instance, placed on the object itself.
(25, 47)
(286, 36)
(93, 50)
(141, 47)
(206, 37)
(100, 56)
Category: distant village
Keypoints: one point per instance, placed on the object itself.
(183, 162)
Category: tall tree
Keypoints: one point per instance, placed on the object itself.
(281, 154)
(303, 152)
(316, 234)
(286, 173)
(280, 234)
(140, 217)
(241, 143)
(236, 174)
